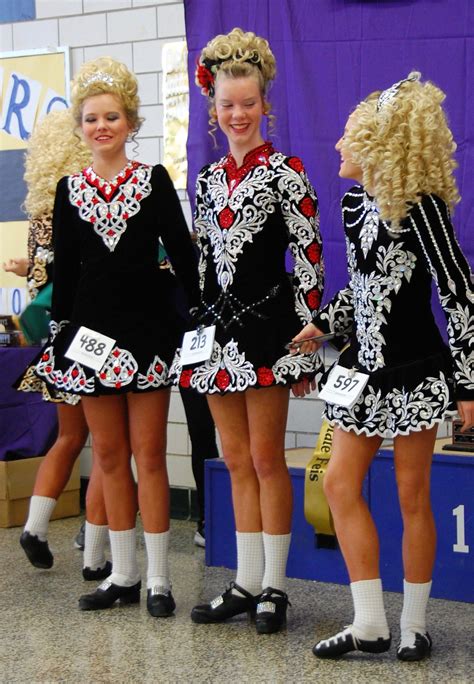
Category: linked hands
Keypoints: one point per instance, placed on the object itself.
(305, 386)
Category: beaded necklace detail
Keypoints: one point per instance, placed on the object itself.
(109, 218)
(256, 157)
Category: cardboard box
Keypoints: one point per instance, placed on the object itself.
(17, 479)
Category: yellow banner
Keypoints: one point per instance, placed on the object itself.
(316, 508)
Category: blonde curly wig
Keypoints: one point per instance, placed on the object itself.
(54, 150)
(237, 54)
(404, 146)
(106, 75)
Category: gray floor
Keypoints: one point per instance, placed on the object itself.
(45, 638)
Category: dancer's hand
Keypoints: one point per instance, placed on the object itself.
(466, 412)
(17, 266)
(305, 386)
(310, 346)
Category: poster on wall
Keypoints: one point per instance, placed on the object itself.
(176, 111)
(32, 84)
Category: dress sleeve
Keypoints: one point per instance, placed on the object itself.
(299, 206)
(175, 236)
(203, 242)
(432, 225)
(40, 254)
(67, 259)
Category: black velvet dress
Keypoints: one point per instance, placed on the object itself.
(246, 220)
(107, 278)
(385, 311)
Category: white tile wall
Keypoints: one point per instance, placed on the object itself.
(171, 21)
(28, 35)
(148, 150)
(152, 127)
(178, 439)
(89, 29)
(6, 37)
(106, 5)
(148, 88)
(131, 25)
(121, 51)
(147, 56)
(57, 8)
(143, 3)
(77, 58)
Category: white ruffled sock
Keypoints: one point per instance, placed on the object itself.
(39, 514)
(276, 548)
(158, 574)
(370, 621)
(413, 618)
(95, 540)
(250, 562)
(123, 545)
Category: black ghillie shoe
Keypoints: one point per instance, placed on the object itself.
(345, 642)
(107, 593)
(225, 606)
(37, 551)
(419, 649)
(271, 611)
(160, 602)
(101, 573)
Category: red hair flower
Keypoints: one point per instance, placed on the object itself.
(314, 253)
(265, 376)
(185, 379)
(226, 218)
(222, 379)
(314, 299)
(205, 79)
(307, 207)
(296, 164)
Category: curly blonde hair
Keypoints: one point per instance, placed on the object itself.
(404, 147)
(106, 75)
(237, 54)
(54, 150)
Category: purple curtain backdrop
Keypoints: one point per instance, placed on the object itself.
(28, 425)
(330, 54)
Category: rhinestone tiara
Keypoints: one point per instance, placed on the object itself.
(389, 94)
(100, 77)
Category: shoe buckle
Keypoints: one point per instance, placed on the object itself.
(266, 607)
(159, 591)
(106, 584)
(218, 601)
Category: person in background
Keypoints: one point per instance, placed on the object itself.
(201, 427)
(53, 151)
(398, 147)
(251, 207)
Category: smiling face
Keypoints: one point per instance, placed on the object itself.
(104, 125)
(348, 168)
(239, 107)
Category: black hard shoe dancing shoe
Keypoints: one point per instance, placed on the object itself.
(160, 602)
(419, 649)
(271, 611)
(101, 573)
(225, 606)
(37, 551)
(107, 593)
(345, 641)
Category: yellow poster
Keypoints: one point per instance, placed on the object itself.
(32, 84)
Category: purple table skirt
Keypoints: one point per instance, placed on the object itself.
(28, 425)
